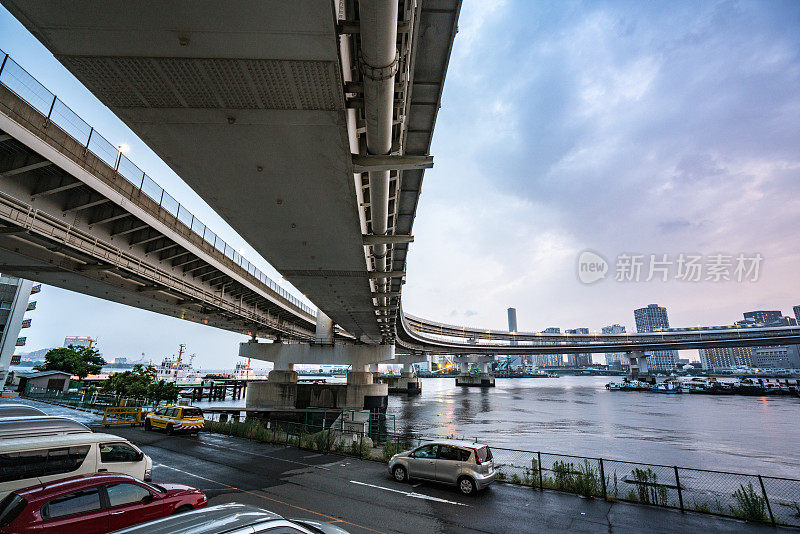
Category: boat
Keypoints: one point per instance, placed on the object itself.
(628, 385)
(177, 370)
(668, 386)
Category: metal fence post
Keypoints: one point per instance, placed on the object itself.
(602, 479)
(766, 499)
(539, 456)
(52, 104)
(86, 148)
(678, 485)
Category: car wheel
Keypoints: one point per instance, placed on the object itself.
(182, 509)
(399, 473)
(170, 429)
(466, 485)
(147, 424)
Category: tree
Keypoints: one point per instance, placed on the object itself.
(132, 383)
(79, 361)
(161, 390)
(140, 383)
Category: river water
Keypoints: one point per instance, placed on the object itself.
(578, 416)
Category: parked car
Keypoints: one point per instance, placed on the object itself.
(39, 425)
(28, 461)
(232, 518)
(468, 466)
(16, 410)
(176, 419)
(93, 504)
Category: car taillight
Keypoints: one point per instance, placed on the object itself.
(477, 457)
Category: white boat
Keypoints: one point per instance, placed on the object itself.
(174, 369)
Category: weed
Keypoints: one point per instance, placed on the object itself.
(749, 505)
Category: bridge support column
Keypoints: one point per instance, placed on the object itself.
(408, 383)
(638, 362)
(482, 379)
(282, 391)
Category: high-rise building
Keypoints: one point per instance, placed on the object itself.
(726, 357)
(614, 359)
(14, 295)
(797, 314)
(765, 317)
(582, 359)
(650, 319)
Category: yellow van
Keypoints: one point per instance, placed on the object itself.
(176, 419)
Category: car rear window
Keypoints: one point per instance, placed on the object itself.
(192, 412)
(485, 454)
(79, 502)
(10, 507)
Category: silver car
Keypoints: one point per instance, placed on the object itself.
(231, 518)
(463, 464)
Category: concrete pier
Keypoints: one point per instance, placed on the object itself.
(283, 392)
(480, 380)
(405, 384)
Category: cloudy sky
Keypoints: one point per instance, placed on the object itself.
(624, 128)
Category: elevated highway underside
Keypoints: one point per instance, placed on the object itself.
(69, 219)
(258, 106)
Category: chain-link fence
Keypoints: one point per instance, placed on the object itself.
(751, 497)
(86, 401)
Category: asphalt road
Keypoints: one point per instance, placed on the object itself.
(361, 497)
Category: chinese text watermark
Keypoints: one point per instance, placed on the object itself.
(719, 267)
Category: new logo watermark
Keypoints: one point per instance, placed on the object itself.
(719, 267)
(592, 267)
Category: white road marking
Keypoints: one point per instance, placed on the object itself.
(412, 494)
(207, 444)
(192, 474)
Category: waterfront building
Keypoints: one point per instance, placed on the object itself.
(614, 359)
(726, 357)
(548, 360)
(14, 302)
(552, 330)
(651, 319)
(782, 357)
(579, 360)
(797, 314)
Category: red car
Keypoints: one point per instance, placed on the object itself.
(93, 504)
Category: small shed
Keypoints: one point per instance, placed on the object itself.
(52, 380)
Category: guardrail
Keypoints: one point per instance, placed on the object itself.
(755, 498)
(23, 84)
(125, 415)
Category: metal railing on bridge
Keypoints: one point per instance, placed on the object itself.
(23, 84)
